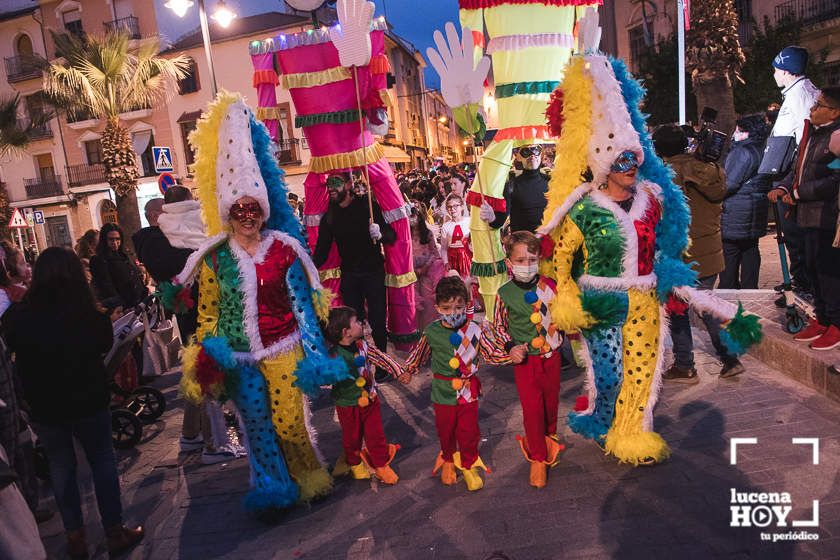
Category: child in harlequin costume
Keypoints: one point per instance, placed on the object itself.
(523, 334)
(337, 81)
(357, 402)
(617, 259)
(530, 42)
(453, 342)
(260, 299)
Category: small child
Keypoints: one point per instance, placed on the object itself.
(356, 400)
(522, 334)
(453, 342)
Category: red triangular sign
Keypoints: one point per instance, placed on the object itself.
(18, 221)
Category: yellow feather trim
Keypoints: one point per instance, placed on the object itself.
(329, 274)
(635, 448)
(321, 301)
(205, 141)
(573, 142)
(312, 79)
(190, 389)
(356, 158)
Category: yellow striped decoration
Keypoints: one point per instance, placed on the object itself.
(356, 158)
(205, 141)
(330, 274)
(400, 280)
(268, 113)
(312, 79)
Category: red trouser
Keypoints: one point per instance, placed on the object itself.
(359, 423)
(458, 423)
(538, 384)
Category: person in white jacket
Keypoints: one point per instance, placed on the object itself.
(181, 220)
(799, 96)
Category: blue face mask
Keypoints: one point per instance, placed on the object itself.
(454, 319)
(625, 161)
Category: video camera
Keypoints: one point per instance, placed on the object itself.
(709, 143)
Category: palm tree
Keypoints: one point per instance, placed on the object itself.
(103, 77)
(714, 58)
(14, 136)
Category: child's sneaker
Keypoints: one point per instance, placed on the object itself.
(191, 444)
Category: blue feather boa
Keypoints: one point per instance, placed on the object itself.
(672, 229)
(282, 216)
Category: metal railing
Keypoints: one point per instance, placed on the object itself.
(38, 132)
(24, 67)
(808, 12)
(128, 25)
(287, 151)
(86, 174)
(43, 187)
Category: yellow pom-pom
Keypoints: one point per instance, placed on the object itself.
(546, 349)
(360, 382)
(457, 384)
(538, 342)
(454, 363)
(536, 318)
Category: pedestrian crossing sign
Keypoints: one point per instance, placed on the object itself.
(18, 221)
(163, 158)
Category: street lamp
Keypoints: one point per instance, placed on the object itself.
(222, 15)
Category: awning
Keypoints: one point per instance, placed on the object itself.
(395, 154)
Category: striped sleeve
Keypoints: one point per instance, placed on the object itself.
(495, 337)
(383, 361)
(418, 356)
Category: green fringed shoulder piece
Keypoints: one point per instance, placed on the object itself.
(488, 269)
(336, 117)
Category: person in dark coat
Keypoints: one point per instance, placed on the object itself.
(117, 281)
(59, 335)
(745, 208)
(161, 259)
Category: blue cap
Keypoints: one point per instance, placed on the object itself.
(793, 59)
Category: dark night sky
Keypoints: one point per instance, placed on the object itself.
(414, 20)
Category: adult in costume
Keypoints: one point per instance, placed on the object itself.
(619, 240)
(530, 43)
(337, 81)
(258, 339)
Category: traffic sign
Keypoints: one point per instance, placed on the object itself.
(18, 221)
(30, 219)
(165, 180)
(163, 158)
(38, 216)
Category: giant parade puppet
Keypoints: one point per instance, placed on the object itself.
(337, 79)
(619, 227)
(530, 42)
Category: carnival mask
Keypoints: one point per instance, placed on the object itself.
(625, 161)
(241, 212)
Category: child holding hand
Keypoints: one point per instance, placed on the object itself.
(522, 334)
(357, 402)
(453, 344)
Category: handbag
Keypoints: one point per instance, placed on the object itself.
(778, 156)
(161, 346)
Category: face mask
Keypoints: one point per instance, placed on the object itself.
(454, 319)
(525, 272)
(739, 136)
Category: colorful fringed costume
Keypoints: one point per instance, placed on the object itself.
(530, 42)
(617, 267)
(258, 339)
(331, 101)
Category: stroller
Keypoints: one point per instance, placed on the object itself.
(131, 407)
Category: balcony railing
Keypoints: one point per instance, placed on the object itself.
(38, 132)
(808, 12)
(287, 151)
(43, 187)
(127, 25)
(86, 174)
(24, 67)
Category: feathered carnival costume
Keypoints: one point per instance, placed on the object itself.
(259, 343)
(337, 81)
(619, 272)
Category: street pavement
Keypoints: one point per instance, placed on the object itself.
(591, 508)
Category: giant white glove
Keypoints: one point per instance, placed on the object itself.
(461, 81)
(351, 36)
(375, 232)
(486, 212)
(589, 32)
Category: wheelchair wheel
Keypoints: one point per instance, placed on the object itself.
(147, 403)
(126, 428)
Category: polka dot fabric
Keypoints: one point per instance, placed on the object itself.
(604, 242)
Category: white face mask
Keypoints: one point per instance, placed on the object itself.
(739, 136)
(525, 272)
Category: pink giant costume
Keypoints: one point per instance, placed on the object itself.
(325, 97)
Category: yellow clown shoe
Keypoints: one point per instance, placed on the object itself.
(385, 473)
(471, 475)
(447, 470)
(360, 471)
(341, 467)
(538, 475)
(552, 445)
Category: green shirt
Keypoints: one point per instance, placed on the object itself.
(442, 351)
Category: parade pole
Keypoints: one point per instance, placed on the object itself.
(362, 138)
(681, 56)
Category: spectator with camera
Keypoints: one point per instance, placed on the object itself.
(745, 208)
(704, 185)
(811, 189)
